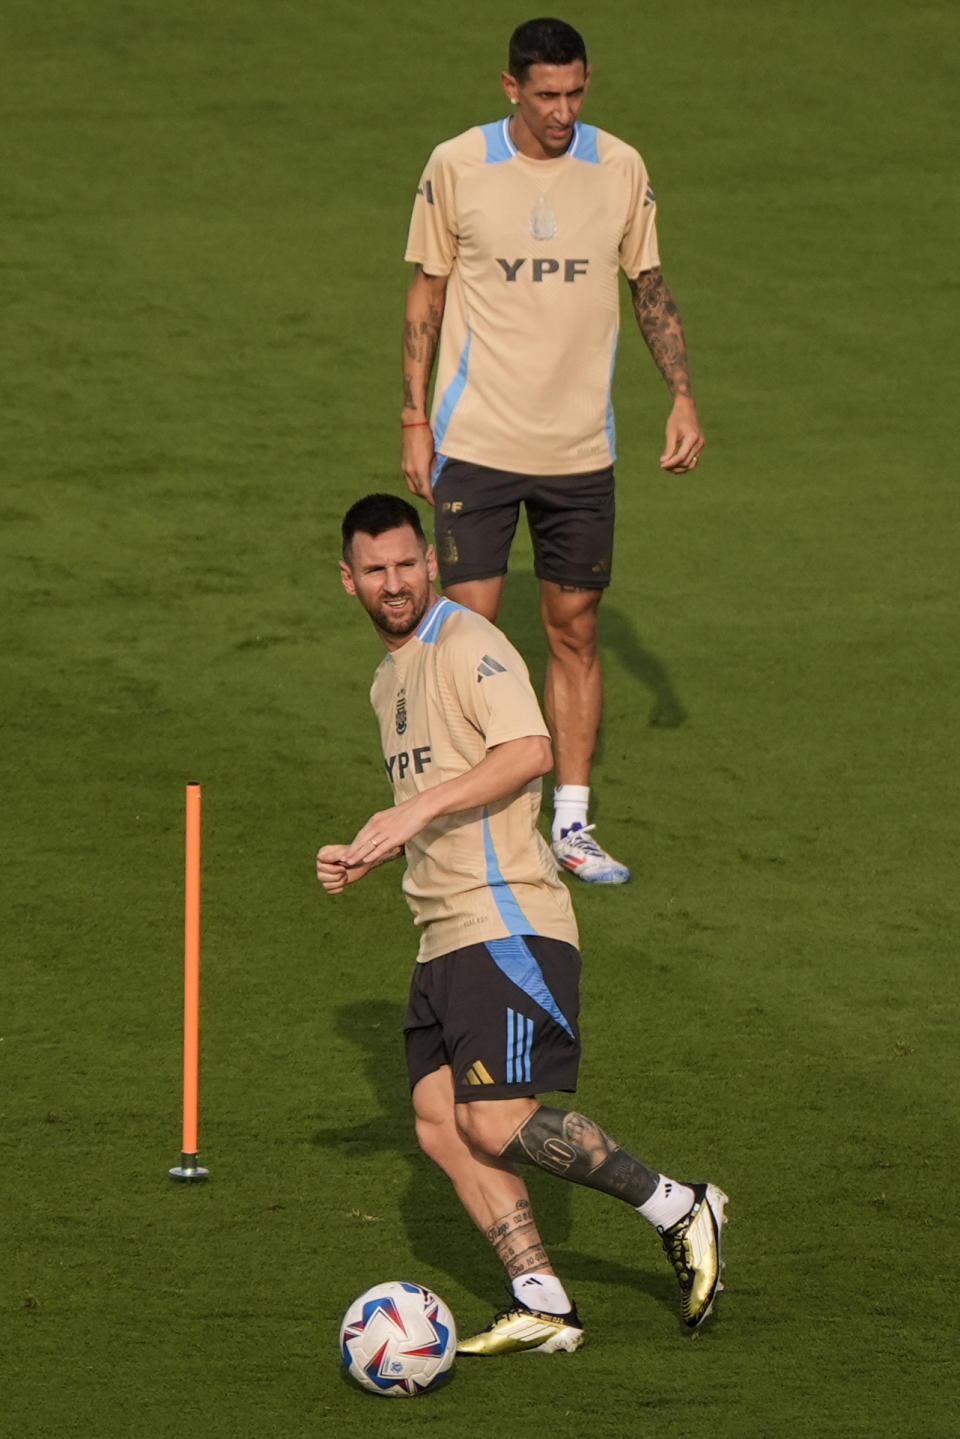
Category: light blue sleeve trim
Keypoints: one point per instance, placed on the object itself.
(499, 145)
(438, 463)
(610, 426)
(584, 145)
(434, 622)
(510, 911)
(452, 395)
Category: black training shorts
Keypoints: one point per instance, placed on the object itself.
(503, 1015)
(570, 517)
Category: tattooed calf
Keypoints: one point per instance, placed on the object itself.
(573, 1147)
(516, 1241)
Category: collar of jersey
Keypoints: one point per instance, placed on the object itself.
(428, 627)
(568, 153)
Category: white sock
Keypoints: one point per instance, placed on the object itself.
(570, 802)
(542, 1291)
(669, 1202)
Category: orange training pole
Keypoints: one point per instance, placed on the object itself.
(188, 1168)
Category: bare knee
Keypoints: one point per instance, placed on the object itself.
(573, 646)
(489, 1125)
(439, 1139)
(435, 1121)
(570, 622)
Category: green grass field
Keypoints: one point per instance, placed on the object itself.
(205, 210)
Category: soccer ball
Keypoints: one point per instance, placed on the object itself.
(398, 1339)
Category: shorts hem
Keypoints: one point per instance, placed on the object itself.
(471, 578)
(593, 583)
(468, 1093)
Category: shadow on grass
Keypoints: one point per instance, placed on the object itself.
(439, 1232)
(617, 633)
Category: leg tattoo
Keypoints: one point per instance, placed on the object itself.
(572, 1147)
(517, 1242)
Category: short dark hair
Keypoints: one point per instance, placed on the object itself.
(374, 515)
(544, 42)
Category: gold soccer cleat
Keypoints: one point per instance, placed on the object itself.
(518, 1329)
(693, 1247)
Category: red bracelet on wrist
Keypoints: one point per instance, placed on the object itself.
(412, 424)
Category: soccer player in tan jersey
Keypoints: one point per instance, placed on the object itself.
(518, 234)
(492, 1016)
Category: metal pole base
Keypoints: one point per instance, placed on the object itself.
(189, 1171)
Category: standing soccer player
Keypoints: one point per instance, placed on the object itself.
(492, 1017)
(519, 231)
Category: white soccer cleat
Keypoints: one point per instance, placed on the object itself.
(579, 853)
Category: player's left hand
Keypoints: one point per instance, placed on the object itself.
(685, 439)
(385, 833)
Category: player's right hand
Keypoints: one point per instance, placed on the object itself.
(331, 869)
(418, 460)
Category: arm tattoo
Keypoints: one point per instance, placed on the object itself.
(517, 1242)
(659, 320)
(420, 339)
(421, 336)
(572, 1147)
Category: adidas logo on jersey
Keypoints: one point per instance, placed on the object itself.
(489, 666)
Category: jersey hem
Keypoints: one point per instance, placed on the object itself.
(581, 465)
(437, 274)
(439, 947)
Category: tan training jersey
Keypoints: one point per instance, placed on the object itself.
(533, 250)
(443, 699)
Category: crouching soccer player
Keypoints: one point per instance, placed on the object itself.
(492, 1017)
